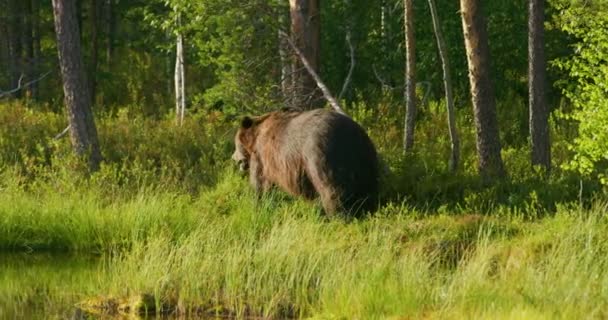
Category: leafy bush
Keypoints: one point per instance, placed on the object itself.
(587, 23)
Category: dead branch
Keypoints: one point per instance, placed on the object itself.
(326, 93)
(352, 65)
(19, 86)
(62, 133)
(428, 86)
(381, 80)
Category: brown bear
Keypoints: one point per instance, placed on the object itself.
(311, 153)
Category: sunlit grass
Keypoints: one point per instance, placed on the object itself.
(222, 252)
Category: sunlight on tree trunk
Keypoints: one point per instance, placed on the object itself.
(83, 132)
(482, 92)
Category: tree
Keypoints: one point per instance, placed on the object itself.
(286, 64)
(482, 92)
(35, 39)
(587, 24)
(447, 82)
(539, 111)
(180, 78)
(110, 23)
(83, 133)
(15, 45)
(94, 60)
(305, 32)
(410, 76)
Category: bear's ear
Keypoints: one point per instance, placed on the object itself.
(246, 123)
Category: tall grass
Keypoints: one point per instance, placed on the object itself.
(222, 253)
(287, 262)
(172, 220)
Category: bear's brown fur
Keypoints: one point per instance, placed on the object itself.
(310, 153)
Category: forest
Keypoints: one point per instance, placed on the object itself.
(119, 198)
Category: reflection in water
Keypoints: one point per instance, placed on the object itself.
(47, 286)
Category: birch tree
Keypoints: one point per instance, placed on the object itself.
(180, 79)
(447, 83)
(410, 76)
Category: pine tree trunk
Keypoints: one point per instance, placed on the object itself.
(83, 133)
(305, 32)
(4, 45)
(539, 111)
(482, 92)
(28, 43)
(94, 23)
(447, 82)
(110, 29)
(410, 76)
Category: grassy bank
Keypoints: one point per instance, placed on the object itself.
(220, 252)
(276, 263)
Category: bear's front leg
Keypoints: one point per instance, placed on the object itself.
(256, 176)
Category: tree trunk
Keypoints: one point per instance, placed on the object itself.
(4, 45)
(14, 42)
(28, 43)
(286, 72)
(110, 29)
(482, 92)
(94, 23)
(79, 18)
(447, 83)
(180, 94)
(83, 133)
(306, 31)
(35, 20)
(326, 93)
(539, 111)
(410, 76)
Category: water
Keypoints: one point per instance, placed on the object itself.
(47, 286)
(50, 286)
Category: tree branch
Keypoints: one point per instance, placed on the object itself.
(19, 86)
(382, 81)
(62, 133)
(352, 65)
(326, 93)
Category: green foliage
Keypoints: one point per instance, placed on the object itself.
(587, 23)
(236, 47)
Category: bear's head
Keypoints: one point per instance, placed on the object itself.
(244, 142)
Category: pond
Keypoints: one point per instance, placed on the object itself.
(51, 286)
(47, 286)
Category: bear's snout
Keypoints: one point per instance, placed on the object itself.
(240, 160)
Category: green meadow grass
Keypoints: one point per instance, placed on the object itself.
(221, 252)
